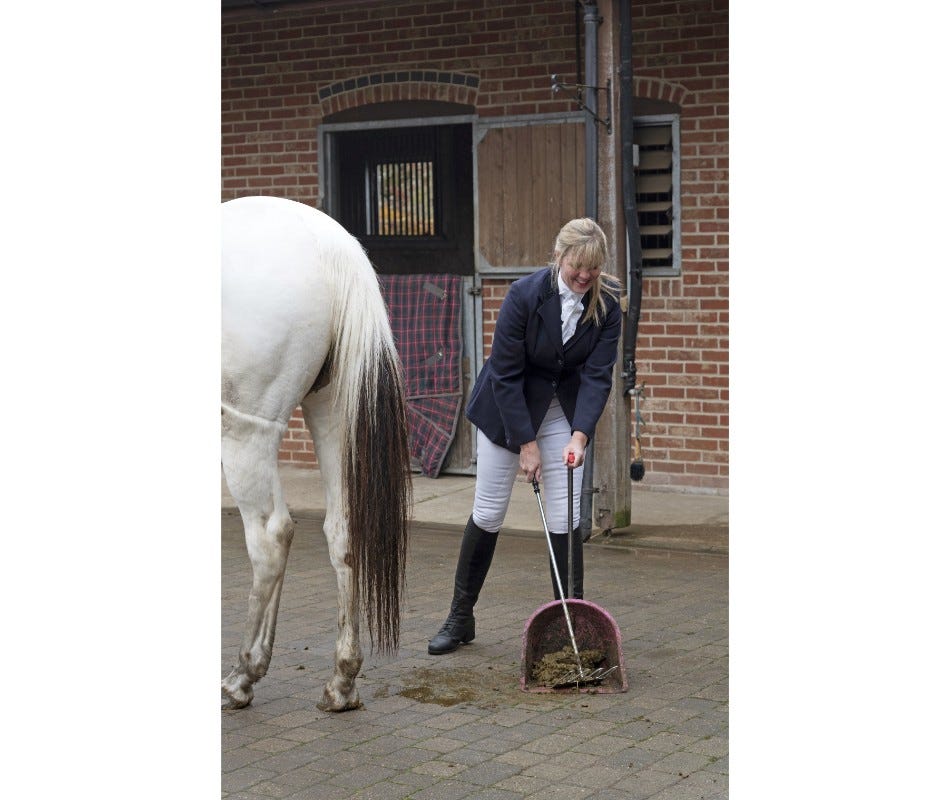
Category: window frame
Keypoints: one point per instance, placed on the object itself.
(673, 120)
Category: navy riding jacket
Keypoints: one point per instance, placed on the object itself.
(528, 365)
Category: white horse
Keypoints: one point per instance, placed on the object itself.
(304, 323)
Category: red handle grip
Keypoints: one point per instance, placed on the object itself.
(570, 458)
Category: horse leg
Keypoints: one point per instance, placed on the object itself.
(249, 457)
(340, 693)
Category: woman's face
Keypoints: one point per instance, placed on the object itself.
(577, 279)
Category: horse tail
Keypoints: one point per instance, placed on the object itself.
(368, 381)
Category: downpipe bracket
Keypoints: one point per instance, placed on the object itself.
(557, 86)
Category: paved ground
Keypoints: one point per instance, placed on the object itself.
(458, 726)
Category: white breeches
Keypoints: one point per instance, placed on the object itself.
(498, 468)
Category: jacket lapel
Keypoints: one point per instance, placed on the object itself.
(550, 311)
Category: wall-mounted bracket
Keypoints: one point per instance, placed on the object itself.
(557, 86)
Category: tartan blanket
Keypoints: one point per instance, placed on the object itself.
(425, 315)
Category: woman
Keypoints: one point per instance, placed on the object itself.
(536, 401)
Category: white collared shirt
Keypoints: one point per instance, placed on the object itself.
(571, 309)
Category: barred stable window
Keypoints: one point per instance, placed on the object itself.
(401, 197)
(405, 191)
(392, 183)
(656, 159)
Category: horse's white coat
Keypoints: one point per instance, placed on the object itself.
(290, 277)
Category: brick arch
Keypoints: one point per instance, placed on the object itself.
(382, 87)
(656, 89)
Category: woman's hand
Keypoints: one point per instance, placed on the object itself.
(577, 446)
(531, 461)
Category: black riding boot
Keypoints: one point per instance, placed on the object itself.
(559, 544)
(475, 556)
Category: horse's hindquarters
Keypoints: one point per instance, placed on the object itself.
(277, 304)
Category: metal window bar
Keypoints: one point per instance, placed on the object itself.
(372, 206)
(401, 193)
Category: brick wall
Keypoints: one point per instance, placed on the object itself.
(274, 66)
(283, 71)
(682, 49)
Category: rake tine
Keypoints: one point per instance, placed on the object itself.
(586, 677)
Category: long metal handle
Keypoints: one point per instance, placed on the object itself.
(570, 526)
(557, 575)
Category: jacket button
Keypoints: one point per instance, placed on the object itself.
(554, 384)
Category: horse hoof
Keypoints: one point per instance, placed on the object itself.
(338, 703)
(235, 698)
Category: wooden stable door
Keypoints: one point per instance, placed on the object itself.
(530, 182)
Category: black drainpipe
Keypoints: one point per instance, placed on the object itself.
(631, 222)
(591, 21)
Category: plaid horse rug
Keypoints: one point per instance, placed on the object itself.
(425, 314)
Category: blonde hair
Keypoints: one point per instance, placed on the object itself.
(585, 240)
